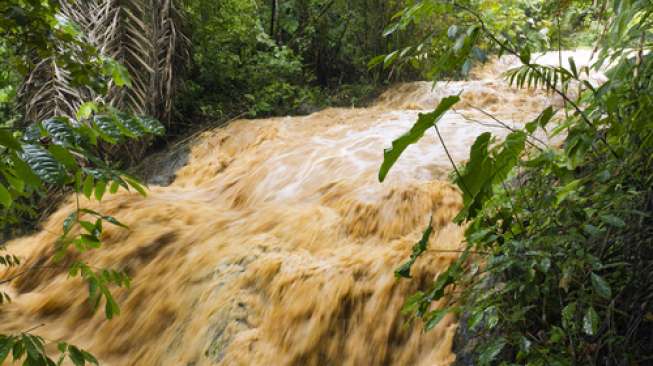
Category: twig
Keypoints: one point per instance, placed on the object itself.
(510, 128)
(27, 271)
(550, 85)
(33, 328)
(462, 181)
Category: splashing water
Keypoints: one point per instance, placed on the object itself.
(276, 244)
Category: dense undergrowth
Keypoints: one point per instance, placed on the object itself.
(557, 265)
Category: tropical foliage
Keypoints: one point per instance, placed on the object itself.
(65, 151)
(558, 239)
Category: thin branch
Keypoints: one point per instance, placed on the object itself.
(495, 119)
(33, 328)
(551, 86)
(462, 181)
(27, 271)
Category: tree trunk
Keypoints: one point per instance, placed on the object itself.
(273, 19)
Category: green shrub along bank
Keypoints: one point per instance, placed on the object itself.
(558, 265)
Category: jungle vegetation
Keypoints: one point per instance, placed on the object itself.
(557, 266)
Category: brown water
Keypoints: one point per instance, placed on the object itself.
(276, 244)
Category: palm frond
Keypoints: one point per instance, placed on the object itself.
(146, 36)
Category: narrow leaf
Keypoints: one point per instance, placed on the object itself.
(424, 122)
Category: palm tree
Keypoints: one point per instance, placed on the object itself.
(146, 36)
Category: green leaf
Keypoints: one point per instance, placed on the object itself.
(111, 307)
(114, 187)
(76, 356)
(7, 140)
(43, 164)
(86, 110)
(62, 347)
(591, 321)
(151, 125)
(5, 196)
(613, 220)
(100, 188)
(435, 317)
(136, 185)
(107, 129)
(601, 286)
(87, 188)
(418, 249)
(32, 347)
(6, 343)
(112, 220)
(89, 357)
(59, 129)
(390, 58)
(424, 122)
(490, 352)
(572, 65)
(25, 173)
(18, 350)
(567, 190)
(375, 61)
(541, 121)
(63, 156)
(568, 315)
(525, 55)
(118, 73)
(69, 222)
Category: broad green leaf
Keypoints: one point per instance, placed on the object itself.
(424, 122)
(613, 220)
(591, 321)
(58, 128)
(107, 129)
(151, 125)
(17, 183)
(541, 121)
(43, 164)
(5, 196)
(601, 286)
(509, 155)
(7, 140)
(86, 110)
(63, 156)
(567, 190)
(118, 73)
